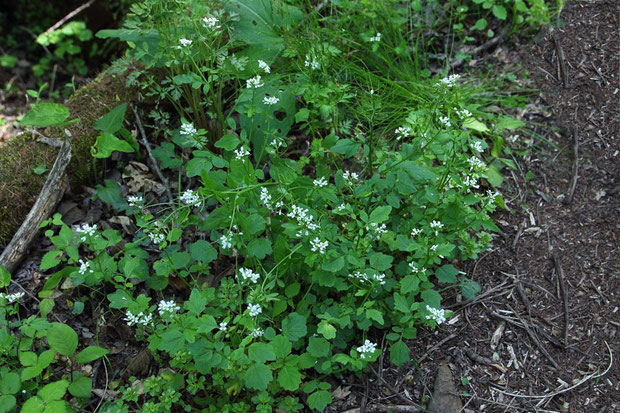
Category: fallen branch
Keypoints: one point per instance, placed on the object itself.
(562, 281)
(575, 172)
(68, 17)
(46, 203)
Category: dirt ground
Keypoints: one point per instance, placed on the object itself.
(542, 335)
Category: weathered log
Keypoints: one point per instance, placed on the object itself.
(46, 203)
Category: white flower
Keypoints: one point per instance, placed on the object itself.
(477, 146)
(226, 241)
(320, 182)
(185, 42)
(254, 82)
(84, 266)
(471, 182)
(140, 318)
(86, 229)
(248, 274)
(444, 120)
(368, 348)
(168, 307)
(156, 238)
(264, 66)
(377, 229)
(187, 129)
(257, 332)
(223, 326)
(438, 315)
(317, 245)
(11, 298)
(135, 200)
(265, 198)
(190, 197)
(311, 63)
(211, 23)
(341, 207)
(434, 247)
(402, 132)
(436, 224)
(254, 309)
(449, 81)
(241, 153)
(350, 177)
(380, 278)
(270, 100)
(415, 232)
(464, 113)
(475, 163)
(376, 38)
(303, 217)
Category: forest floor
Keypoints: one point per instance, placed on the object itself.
(542, 335)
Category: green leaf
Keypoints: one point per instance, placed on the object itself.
(401, 304)
(346, 147)
(380, 214)
(202, 250)
(261, 352)
(53, 391)
(500, 12)
(33, 405)
(81, 387)
(470, 288)
(46, 114)
(376, 315)
(172, 340)
(481, 24)
(5, 277)
(326, 330)
(27, 358)
(228, 142)
(319, 400)
(40, 169)
(281, 346)
(10, 383)
(258, 376)
(259, 248)
(197, 165)
(8, 402)
(62, 339)
(471, 123)
(50, 259)
(506, 122)
(107, 143)
(91, 353)
(447, 274)
(46, 306)
(292, 290)
(399, 353)
(113, 121)
(289, 378)
(335, 265)
(111, 195)
(294, 326)
(318, 347)
(380, 261)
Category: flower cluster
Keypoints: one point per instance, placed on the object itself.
(169, 307)
(264, 66)
(415, 269)
(436, 225)
(135, 200)
(303, 217)
(156, 238)
(376, 38)
(464, 113)
(187, 129)
(138, 319)
(449, 81)
(475, 163)
(477, 146)
(320, 182)
(317, 245)
(223, 326)
(312, 63)
(190, 197)
(185, 42)
(84, 266)
(270, 100)
(367, 349)
(248, 274)
(11, 298)
(254, 309)
(372, 278)
(226, 240)
(471, 182)
(438, 315)
(241, 154)
(444, 120)
(402, 132)
(376, 229)
(254, 82)
(415, 232)
(86, 230)
(257, 332)
(211, 23)
(350, 177)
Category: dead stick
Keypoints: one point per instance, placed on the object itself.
(557, 262)
(50, 195)
(575, 172)
(69, 16)
(146, 144)
(562, 74)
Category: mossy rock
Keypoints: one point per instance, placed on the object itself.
(20, 185)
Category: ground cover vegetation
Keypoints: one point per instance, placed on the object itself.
(327, 185)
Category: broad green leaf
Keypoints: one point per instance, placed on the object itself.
(113, 121)
(261, 352)
(318, 347)
(380, 214)
(27, 358)
(50, 259)
(294, 326)
(53, 391)
(326, 330)
(10, 383)
(500, 12)
(172, 340)
(281, 346)
(375, 315)
(258, 376)
(8, 402)
(91, 353)
(506, 122)
(111, 195)
(5, 277)
(33, 405)
(470, 288)
(259, 248)
(81, 387)
(471, 123)
(346, 147)
(399, 353)
(62, 339)
(380, 261)
(447, 274)
(335, 265)
(228, 142)
(289, 378)
(319, 400)
(45, 114)
(107, 143)
(401, 304)
(202, 250)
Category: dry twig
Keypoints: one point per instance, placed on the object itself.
(562, 281)
(69, 16)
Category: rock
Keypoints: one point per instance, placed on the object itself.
(445, 398)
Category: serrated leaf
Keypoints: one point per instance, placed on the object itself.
(294, 326)
(319, 400)
(259, 248)
(258, 376)
(399, 353)
(289, 378)
(447, 274)
(327, 330)
(62, 339)
(470, 288)
(91, 353)
(261, 352)
(401, 304)
(45, 114)
(53, 391)
(10, 383)
(5, 277)
(318, 347)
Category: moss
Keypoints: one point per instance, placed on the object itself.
(20, 186)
